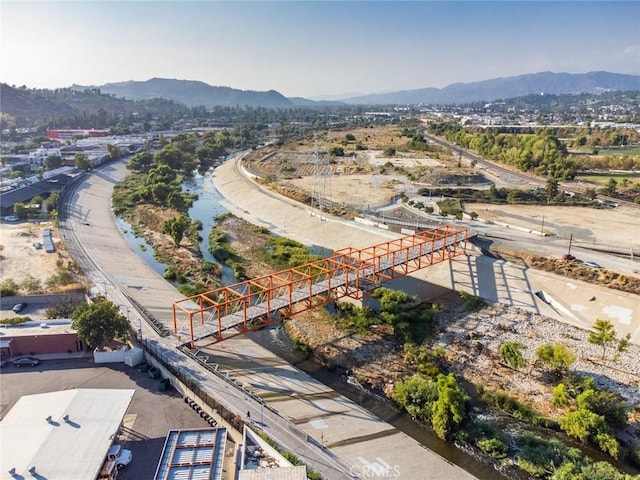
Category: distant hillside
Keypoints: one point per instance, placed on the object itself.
(80, 108)
(305, 102)
(194, 93)
(506, 87)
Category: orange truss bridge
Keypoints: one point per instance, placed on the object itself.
(230, 311)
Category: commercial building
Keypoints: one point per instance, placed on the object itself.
(43, 337)
(63, 435)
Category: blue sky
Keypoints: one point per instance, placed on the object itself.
(312, 49)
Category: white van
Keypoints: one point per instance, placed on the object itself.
(120, 456)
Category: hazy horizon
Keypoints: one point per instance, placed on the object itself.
(313, 49)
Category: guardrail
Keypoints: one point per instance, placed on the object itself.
(151, 320)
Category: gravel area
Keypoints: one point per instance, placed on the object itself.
(474, 340)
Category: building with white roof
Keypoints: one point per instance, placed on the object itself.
(61, 435)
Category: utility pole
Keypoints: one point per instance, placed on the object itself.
(542, 227)
(570, 242)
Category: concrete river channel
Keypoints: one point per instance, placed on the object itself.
(275, 339)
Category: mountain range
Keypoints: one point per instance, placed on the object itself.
(195, 93)
(192, 93)
(507, 87)
(161, 96)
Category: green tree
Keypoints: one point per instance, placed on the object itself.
(52, 162)
(161, 174)
(552, 189)
(510, 353)
(450, 409)
(603, 334)
(82, 162)
(20, 209)
(140, 161)
(577, 470)
(51, 203)
(590, 193)
(176, 227)
(99, 322)
(113, 151)
(558, 357)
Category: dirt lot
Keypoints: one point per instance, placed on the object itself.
(614, 226)
(20, 259)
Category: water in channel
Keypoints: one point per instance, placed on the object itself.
(205, 209)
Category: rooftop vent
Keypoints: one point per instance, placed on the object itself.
(32, 470)
(66, 418)
(48, 419)
(12, 471)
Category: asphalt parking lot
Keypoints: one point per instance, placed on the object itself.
(151, 415)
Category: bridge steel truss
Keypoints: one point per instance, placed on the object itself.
(351, 272)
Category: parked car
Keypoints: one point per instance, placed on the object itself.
(26, 362)
(18, 307)
(11, 218)
(121, 456)
(592, 264)
(3, 362)
(569, 257)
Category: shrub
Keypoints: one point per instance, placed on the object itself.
(31, 284)
(59, 279)
(14, 320)
(416, 395)
(302, 347)
(539, 456)
(510, 353)
(8, 288)
(560, 397)
(389, 152)
(511, 405)
(471, 302)
(603, 402)
(496, 447)
(556, 356)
